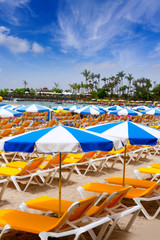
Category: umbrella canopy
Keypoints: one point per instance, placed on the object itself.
(136, 134)
(112, 108)
(34, 108)
(59, 139)
(8, 106)
(60, 108)
(97, 107)
(89, 110)
(153, 111)
(125, 112)
(7, 113)
(141, 108)
(17, 107)
(71, 108)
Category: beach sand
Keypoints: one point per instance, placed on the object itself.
(141, 229)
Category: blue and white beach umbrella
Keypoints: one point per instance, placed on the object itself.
(61, 108)
(141, 108)
(34, 108)
(97, 107)
(125, 112)
(7, 113)
(8, 106)
(59, 139)
(89, 110)
(136, 134)
(17, 107)
(112, 108)
(153, 111)
(72, 108)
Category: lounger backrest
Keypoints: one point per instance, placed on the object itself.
(6, 132)
(33, 165)
(151, 191)
(4, 122)
(25, 124)
(111, 201)
(89, 155)
(52, 161)
(55, 160)
(75, 212)
(114, 200)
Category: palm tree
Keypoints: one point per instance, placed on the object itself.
(98, 77)
(71, 87)
(156, 91)
(121, 75)
(129, 78)
(86, 74)
(148, 86)
(56, 85)
(25, 83)
(104, 80)
(92, 77)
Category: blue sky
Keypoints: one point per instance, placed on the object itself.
(50, 41)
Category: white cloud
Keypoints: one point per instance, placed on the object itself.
(36, 48)
(16, 44)
(8, 10)
(95, 25)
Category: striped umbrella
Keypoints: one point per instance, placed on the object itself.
(17, 107)
(34, 108)
(8, 106)
(152, 111)
(59, 139)
(136, 134)
(113, 108)
(61, 108)
(141, 108)
(97, 107)
(125, 112)
(72, 108)
(7, 113)
(89, 110)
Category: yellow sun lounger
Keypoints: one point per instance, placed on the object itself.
(134, 182)
(110, 206)
(29, 171)
(139, 195)
(83, 161)
(152, 171)
(47, 227)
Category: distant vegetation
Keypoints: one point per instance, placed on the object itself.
(95, 86)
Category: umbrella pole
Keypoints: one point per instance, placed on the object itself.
(59, 212)
(124, 165)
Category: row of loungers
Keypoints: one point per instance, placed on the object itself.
(44, 169)
(104, 211)
(76, 218)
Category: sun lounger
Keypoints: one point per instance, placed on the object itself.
(47, 227)
(136, 183)
(151, 171)
(138, 194)
(110, 206)
(29, 171)
(48, 169)
(10, 156)
(83, 161)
